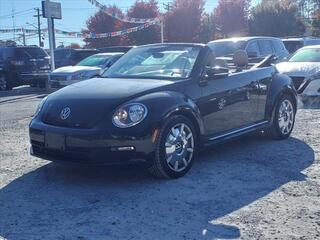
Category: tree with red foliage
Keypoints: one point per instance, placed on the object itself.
(74, 46)
(183, 23)
(144, 9)
(101, 22)
(231, 17)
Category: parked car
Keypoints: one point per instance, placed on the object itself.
(293, 44)
(257, 48)
(304, 69)
(90, 67)
(24, 65)
(160, 104)
(123, 49)
(70, 57)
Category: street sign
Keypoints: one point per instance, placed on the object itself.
(55, 10)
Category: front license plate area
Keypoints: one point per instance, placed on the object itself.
(55, 141)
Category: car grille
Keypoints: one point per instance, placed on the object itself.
(297, 81)
(58, 78)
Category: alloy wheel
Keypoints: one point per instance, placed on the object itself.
(3, 84)
(286, 117)
(179, 147)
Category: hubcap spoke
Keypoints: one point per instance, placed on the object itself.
(185, 162)
(179, 147)
(176, 166)
(286, 117)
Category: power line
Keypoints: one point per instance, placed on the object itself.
(19, 13)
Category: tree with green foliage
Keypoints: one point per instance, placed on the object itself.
(279, 18)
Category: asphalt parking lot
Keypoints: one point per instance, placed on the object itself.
(252, 188)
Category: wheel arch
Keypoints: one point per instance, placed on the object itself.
(281, 84)
(166, 104)
(189, 114)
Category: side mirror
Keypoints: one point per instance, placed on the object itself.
(252, 54)
(217, 72)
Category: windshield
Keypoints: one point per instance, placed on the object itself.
(94, 61)
(306, 55)
(226, 48)
(62, 54)
(27, 53)
(170, 61)
(293, 46)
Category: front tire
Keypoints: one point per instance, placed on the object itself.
(284, 118)
(176, 148)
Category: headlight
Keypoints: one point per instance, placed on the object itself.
(39, 108)
(129, 115)
(80, 76)
(313, 88)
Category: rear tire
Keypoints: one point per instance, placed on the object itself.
(3, 84)
(175, 148)
(284, 119)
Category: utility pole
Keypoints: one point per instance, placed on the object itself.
(13, 25)
(39, 28)
(24, 37)
(167, 7)
(162, 29)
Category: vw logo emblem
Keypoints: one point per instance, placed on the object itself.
(65, 113)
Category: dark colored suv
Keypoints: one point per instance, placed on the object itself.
(23, 65)
(257, 48)
(70, 57)
(113, 49)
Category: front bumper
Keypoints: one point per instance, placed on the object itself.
(31, 77)
(61, 84)
(88, 146)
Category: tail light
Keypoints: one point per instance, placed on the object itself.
(17, 63)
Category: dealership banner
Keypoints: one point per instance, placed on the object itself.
(121, 18)
(17, 30)
(85, 35)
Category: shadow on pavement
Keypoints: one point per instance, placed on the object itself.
(73, 202)
(22, 92)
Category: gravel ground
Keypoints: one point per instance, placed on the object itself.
(252, 188)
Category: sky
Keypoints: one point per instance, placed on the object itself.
(74, 16)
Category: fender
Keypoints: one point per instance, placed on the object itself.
(165, 104)
(280, 84)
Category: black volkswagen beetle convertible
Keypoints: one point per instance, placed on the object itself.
(160, 104)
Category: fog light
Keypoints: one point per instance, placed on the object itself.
(123, 149)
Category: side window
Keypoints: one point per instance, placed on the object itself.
(278, 46)
(265, 47)
(22, 54)
(211, 59)
(80, 55)
(253, 47)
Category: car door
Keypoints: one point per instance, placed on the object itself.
(266, 48)
(280, 50)
(253, 51)
(230, 102)
(264, 77)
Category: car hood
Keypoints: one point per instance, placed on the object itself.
(298, 69)
(74, 69)
(94, 99)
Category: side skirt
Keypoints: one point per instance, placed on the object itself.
(235, 133)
